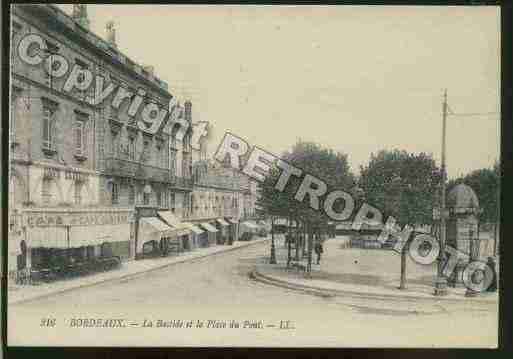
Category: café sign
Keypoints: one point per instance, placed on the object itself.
(77, 219)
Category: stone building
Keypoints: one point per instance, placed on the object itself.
(223, 198)
(92, 136)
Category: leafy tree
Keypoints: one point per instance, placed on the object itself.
(330, 166)
(401, 184)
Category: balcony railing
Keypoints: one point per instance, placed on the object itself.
(131, 169)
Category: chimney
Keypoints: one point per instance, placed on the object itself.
(80, 15)
(188, 110)
(111, 34)
(150, 69)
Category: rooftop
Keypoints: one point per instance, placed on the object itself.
(100, 44)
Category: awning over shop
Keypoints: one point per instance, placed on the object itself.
(158, 225)
(79, 236)
(152, 229)
(232, 220)
(209, 227)
(222, 222)
(47, 237)
(194, 228)
(172, 220)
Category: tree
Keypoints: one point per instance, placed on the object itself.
(403, 185)
(330, 166)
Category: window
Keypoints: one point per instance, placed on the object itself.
(159, 198)
(131, 194)
(165, 199)
(78, 132)
(46, 194)
(172, 161)
(146, 153)
(115, 193)
(172, 201)
(146, 198)
(78, 192)
(88, 94)
(48, 129)
(131, 148)
(160, 156)
(115, 144)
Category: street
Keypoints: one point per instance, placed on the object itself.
(219, 288)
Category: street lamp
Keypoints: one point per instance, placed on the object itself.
(273, 247)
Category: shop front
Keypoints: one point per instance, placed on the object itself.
(196, 232)
(183, 230)
(233, 230)
(223, 233)
(249, 230)
(209, 237)
(58, 243)
(156, 238)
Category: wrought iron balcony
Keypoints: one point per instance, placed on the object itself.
(132, 169)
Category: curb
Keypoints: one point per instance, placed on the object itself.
(258, 276)
(132, 275)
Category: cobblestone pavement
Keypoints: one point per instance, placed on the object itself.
(219, 287)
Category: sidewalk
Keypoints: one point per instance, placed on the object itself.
(370, 273)
(19, 294)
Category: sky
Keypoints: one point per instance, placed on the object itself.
(357, 79)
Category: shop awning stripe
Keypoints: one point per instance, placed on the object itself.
(222, 222)
(209, 227)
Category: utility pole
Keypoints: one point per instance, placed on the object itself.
(441, 282)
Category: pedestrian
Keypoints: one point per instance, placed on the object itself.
(318, 251)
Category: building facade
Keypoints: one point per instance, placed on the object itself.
(82, 161)
(101, 157)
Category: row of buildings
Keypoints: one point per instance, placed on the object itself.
(85, 177)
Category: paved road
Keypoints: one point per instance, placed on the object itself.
(218, 287)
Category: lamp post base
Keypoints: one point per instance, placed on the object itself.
(440, 286)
